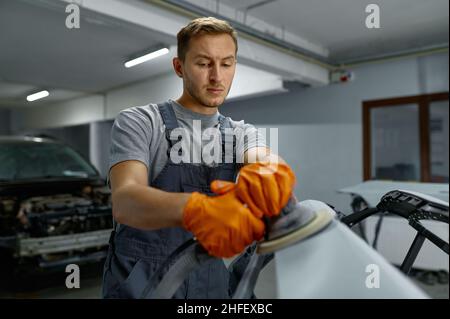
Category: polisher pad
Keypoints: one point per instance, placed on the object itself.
(295, 226)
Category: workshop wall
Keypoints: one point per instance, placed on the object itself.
(72, 112)
(310, 121)
(320, 129)
(5, 122)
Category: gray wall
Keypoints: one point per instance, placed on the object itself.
(439, 139)
(99, 144)
(5, 120)
(98, 107)
(73, 112)
(320, 129)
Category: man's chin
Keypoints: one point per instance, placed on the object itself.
(213, 102)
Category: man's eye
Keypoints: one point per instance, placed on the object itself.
(226, 65)
(202, 64)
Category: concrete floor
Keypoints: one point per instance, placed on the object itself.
(53, 286)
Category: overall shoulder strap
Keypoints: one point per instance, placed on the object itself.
(169, 119)
(168, 115)
(227, 147)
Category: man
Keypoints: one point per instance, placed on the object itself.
(159, 203)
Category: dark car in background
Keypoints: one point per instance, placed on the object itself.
(54, 207)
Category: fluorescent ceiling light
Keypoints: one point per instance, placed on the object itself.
(37, 96)
(146, 57)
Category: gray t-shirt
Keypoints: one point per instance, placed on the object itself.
(138, 134)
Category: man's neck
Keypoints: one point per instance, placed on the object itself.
(194, 106)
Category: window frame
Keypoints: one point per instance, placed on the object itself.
(423, 101)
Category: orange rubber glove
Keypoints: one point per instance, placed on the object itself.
(265, 187)
(221, 224)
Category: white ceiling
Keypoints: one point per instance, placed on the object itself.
(339, 25)
(39, 52)
(14, 94)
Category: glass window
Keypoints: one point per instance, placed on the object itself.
(406, 138)
(438, 113)
(395, 153)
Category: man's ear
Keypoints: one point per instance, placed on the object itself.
(178, 66)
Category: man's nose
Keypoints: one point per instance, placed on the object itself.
(215, 74)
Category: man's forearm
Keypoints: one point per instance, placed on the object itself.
(148, 208)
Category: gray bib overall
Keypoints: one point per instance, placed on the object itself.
(134, 255)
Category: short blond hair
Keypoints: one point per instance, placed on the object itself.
(204, 25)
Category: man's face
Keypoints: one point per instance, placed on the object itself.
(208, 68)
